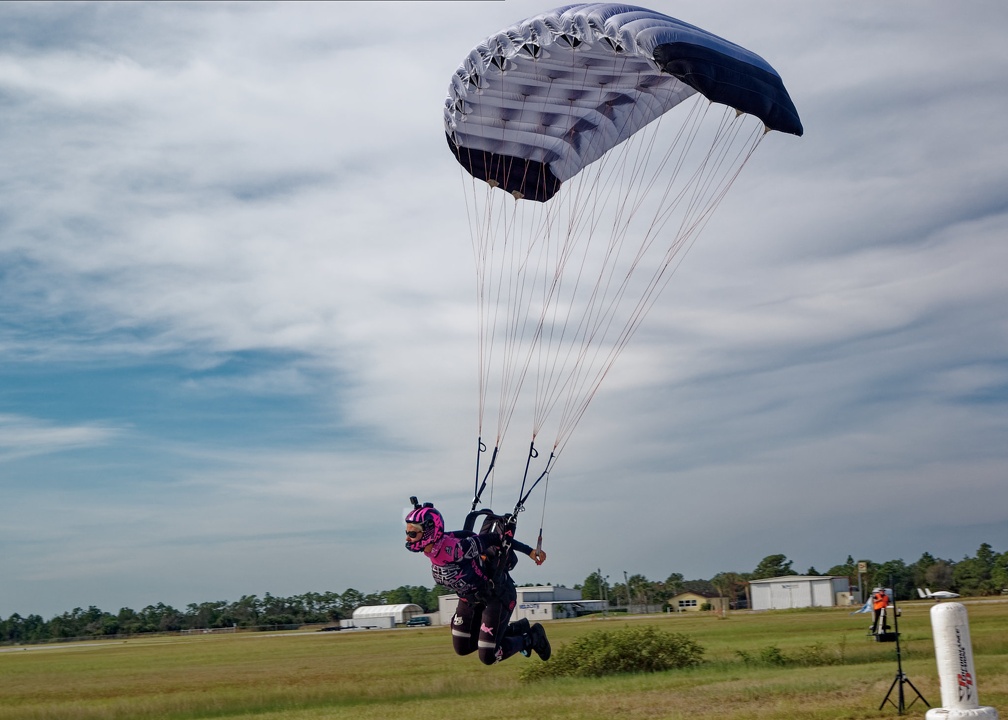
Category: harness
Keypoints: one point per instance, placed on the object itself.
(497, 564)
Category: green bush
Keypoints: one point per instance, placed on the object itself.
(814, 655)
(772, 655)
(609, 652)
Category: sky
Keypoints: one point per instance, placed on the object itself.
(238, 328)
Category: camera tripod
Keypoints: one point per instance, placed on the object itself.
(901, 678)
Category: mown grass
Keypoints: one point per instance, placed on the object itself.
(830, 670)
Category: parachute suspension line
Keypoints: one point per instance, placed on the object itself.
(554, 258)
(499, 227)
(496, 297)
(553, 318)
(582, 220)
(518, 301)
(732, 168)
(478, 242)
(542, 516)
(598, 312)
(505, 299)
(481, 242)
(577, 237)
(704, 198)
(513, 300)
(625, 171)
(482, 236)
(628, 178)
(691, 227)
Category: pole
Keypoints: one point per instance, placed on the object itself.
(901, 678)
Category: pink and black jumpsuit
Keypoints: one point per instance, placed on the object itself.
(481, 620)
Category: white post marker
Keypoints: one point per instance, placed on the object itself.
(954, 655)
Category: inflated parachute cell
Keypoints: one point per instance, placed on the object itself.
(531, 106)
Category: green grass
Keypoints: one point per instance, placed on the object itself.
(414, 674)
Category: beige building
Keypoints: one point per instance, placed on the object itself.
(694, 602)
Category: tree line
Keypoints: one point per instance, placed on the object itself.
(250, 611)
(985, 573)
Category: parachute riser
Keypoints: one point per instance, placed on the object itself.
(522, 495)
(479, 488)
(533, 453)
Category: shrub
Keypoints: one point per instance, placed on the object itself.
(609, 652)
(814, 655)
(772, 655)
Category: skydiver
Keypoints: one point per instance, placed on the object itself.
(463, 562)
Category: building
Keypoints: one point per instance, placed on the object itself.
(799, 591)
(696, 601)
(535, 603)
(382, 616)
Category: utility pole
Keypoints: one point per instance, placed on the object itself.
(603, 592)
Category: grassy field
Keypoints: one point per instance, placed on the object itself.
(837, 673)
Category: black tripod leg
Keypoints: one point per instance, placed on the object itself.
(907, 681)
(886, 698)
(902, 706)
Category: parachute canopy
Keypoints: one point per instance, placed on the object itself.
(534, 104)
(595, 142)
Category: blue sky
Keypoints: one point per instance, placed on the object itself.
(237, 328)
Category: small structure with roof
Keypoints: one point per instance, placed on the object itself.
(382, 616)
(799, 591)
(695, 601)
(535, 603)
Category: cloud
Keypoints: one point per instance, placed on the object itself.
(22, 437)
(237, 322)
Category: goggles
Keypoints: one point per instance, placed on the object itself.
(414, 533)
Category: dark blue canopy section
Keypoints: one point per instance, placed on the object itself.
(527, 179)
(723, 79)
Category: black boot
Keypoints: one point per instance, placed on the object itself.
(536, 641)
(517, 628)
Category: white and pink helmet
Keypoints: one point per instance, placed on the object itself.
(430, 520)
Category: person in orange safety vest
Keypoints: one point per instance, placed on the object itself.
(880, 601)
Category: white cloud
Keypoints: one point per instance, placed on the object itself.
(22, 437)
(185, 182)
